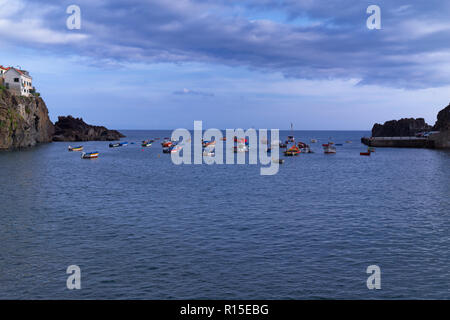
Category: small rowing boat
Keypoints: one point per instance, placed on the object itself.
(90, 155)
(114, 145)
(176, 149)
(147, 143)
(240, 148)
(208, 143)
(365, 153)
(329, 148)
(79, 148)
(292, 151)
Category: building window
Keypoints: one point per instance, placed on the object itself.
(16, 79)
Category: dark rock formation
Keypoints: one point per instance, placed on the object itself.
(24, 121)
(441, 140)
(409, 128)
(75, 129)
(443, 120)
(401, 128)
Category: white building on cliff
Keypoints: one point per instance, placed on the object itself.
(17, 81)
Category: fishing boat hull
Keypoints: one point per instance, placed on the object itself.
(329, 148)
(80, 148)
(90, 155)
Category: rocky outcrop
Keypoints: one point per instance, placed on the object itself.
(402, 133)
(400, 128)
(441, 140)
(75, 129)
(24, 121)
(443, 120)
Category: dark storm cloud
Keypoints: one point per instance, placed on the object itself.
(412, 50)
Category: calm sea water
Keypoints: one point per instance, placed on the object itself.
(141, 227)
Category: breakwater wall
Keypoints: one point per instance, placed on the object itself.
(398, 142)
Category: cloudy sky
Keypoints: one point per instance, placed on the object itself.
(158, 64)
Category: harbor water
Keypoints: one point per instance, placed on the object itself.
(141, 227)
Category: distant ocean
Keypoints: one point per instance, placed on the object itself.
(140, 227)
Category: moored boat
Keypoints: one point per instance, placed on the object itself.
(79, 148)
(313, 140)
(89, 155)
(365, 153)
(147, 143)
(292, 151)
(329, 148)
(208, 143)
(176, 149)
(290, 138)
(114, 145)
(306, 149)
(208, 152)
(240, 148)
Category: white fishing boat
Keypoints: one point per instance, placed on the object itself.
(306, 149)
(240, 148)
(176, 149)
(209, 151)
(329, 148)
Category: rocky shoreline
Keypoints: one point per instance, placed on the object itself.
(24, 122)
(408, 133)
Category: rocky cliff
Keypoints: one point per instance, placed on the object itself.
(400, 128)
(443, 120)
(441, 140)
(24, 121)
(75, 129)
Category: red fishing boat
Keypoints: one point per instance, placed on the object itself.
(292, 151)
